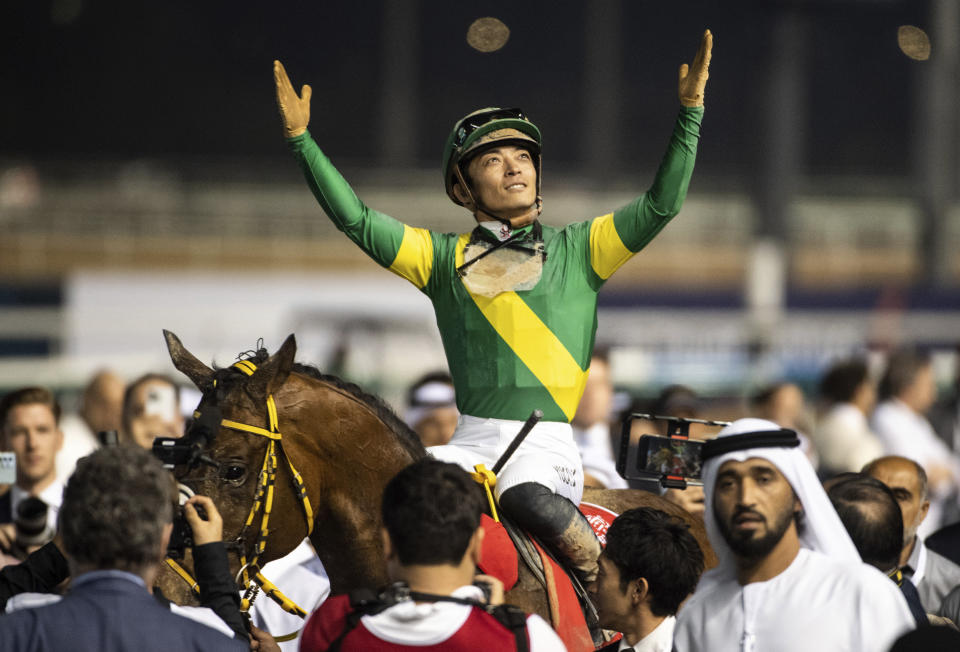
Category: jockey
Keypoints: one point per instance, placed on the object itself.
(515, 299)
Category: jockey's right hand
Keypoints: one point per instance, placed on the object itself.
(294, 109)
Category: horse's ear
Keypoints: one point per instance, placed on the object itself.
(277, 369)
(186, 362)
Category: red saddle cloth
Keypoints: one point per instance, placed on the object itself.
(499, 559)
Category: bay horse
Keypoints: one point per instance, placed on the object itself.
(335, 448)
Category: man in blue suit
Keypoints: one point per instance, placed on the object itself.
(115, 523)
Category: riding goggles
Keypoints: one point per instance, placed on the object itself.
(474, 122)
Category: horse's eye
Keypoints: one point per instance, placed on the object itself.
(233, 472)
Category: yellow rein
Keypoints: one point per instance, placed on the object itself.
(264, 499)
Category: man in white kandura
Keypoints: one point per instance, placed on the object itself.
(789, 577)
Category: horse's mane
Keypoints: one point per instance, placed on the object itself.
(408, 438)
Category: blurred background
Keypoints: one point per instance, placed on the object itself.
(145, 183)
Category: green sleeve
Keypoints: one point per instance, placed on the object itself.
(639, 221)
(379, 235)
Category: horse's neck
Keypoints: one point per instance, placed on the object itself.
(353, 453)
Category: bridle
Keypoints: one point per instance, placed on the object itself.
(250, 571)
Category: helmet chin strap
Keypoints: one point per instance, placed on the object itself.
(533, 213)
(527, 217)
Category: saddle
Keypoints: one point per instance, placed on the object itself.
(570, 609)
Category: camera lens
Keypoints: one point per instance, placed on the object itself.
(31, 522)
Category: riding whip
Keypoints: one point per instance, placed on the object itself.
(528, 425)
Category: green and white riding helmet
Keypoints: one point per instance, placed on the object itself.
(481, 130)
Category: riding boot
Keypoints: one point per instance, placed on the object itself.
(557, 523)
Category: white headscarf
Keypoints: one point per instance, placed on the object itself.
(427, 398)
(821, 531)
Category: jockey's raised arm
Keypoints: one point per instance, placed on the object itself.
(515, 299)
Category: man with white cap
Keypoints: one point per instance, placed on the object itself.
(432, 408)
(789, 577)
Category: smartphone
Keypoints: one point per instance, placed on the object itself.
(649, 457)
(8, 468)
(667, 456)
(161, 401)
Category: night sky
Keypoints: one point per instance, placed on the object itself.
(105, 79)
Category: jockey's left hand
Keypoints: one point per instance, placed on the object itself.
(693, 78)
(205, 530)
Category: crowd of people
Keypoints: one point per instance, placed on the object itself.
(792, 505)
(800, 565)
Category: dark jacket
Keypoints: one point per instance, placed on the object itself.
(108, 613)
(40, 572)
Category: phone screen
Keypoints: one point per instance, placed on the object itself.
(670, 456)
(649, 457)
(8, 468)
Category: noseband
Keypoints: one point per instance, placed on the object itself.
(262, 502)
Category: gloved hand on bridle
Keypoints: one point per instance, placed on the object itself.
(294, 109)
(693, 78)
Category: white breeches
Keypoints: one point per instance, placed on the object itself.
(548, 455)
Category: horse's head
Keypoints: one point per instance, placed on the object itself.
(266, 413)
(235, 454)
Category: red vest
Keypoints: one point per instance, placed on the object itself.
(481, 631)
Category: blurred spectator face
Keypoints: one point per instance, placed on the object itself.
(152, 411)
(865, 397)
(597, 396)
(437, 426)
(901, 476)
(922, 392)
(31, 431)
(432, 409)
(785, 406)
(103, 402)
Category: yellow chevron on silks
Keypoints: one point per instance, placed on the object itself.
(414, 260)
(607, 251)
(533, 342)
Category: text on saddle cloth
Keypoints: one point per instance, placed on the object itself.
(498, 557)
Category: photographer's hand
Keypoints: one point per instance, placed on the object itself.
(262, 641)
(693, 78)
(204, 530)
(8, 535)
(496, 588)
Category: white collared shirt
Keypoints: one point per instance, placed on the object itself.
(917, 561)
(659, 640)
